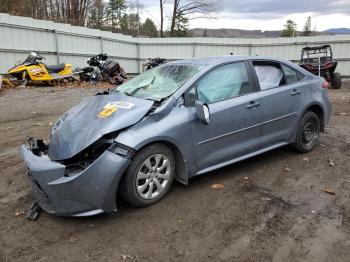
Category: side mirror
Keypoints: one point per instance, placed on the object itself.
(202, 111)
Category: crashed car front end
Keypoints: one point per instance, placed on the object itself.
(72, 190)
(78, 173)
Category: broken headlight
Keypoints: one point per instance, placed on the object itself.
(121, 150)
(85, 158)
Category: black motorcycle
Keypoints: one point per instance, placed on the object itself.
(89, 74)
(102, 67)
(153, 62)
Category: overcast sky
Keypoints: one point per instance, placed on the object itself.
(266, 14)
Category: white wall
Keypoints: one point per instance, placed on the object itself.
(71, 44)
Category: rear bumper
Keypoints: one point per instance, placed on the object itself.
(89, 192)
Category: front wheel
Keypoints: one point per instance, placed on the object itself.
(308, 132)
(336, 80)
(149, 176)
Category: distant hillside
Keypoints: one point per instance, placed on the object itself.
(235, 33)
(339, 30)
(223, 32)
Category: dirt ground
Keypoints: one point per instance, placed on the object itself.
(272, 208)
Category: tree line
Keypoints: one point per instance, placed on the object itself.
(123, 16)
(119, 16)
(290, 29)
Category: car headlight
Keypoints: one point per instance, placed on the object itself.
(121, 150)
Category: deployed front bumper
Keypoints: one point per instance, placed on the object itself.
(88, 192)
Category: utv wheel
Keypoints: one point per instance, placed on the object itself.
(336, 80)
(149, 176)
(308, 132)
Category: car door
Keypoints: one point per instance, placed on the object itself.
(235, 115)
(280, 98)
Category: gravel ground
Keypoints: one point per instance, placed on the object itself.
(272, 207)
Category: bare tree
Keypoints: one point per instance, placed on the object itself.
(161, 3)
(185, 10)
(136, 7)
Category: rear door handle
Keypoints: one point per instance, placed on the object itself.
(252, 104)
(295, 92)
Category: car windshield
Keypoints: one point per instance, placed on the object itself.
(160, 82)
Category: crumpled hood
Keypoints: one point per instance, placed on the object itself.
(85, 123)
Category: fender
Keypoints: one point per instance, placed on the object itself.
(185, 169)
(324, 111)
(306, 108)
(176, 134)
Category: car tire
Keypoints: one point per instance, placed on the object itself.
(308, 132)
(149, 176)
(336, 80)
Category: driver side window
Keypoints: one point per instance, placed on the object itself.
(223, 83)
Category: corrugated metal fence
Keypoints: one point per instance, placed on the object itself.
(65, 43)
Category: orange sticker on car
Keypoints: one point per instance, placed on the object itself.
(106, 112)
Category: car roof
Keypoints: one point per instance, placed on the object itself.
(214, 60)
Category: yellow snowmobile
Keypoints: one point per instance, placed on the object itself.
(33, 70)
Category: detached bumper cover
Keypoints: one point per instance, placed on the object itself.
(89, 192)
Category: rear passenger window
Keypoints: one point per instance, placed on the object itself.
(291, 75)
(270, 75)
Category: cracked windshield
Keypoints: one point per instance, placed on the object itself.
(160, 82)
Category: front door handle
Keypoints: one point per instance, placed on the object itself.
(295, 92)
(252, 104)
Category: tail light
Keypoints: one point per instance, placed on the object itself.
(325, 84)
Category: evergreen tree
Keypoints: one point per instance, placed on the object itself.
(124, 24)
(182, 27)
(96, 15)
(307, 27)
(116, 8)
(134, 24)
(289, 29)
(149, 28)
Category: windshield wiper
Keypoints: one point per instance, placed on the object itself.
(140, 87)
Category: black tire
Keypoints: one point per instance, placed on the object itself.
(336, 80)
(130, 181)
(308, 132)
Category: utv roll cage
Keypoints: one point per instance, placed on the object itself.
(319, 61)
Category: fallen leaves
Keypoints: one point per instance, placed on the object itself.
(19, 212)
(331, 162)
(125, 257)
(217, 186)
(329, 191)
(286, 168)
(73, 240)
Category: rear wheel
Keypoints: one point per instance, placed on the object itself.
(149, 176)
(336, 80)
(308, 132)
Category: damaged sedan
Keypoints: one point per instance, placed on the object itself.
(175, 121)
